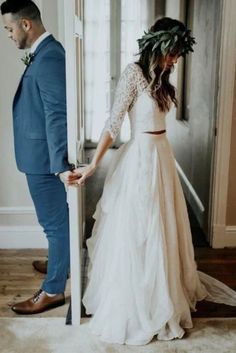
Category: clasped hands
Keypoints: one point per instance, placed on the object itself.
(77, 176)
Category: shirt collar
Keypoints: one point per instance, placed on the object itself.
(38, 41)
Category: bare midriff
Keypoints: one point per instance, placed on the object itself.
(155, 132)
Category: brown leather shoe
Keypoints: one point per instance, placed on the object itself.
(39, 303)
(40, 266)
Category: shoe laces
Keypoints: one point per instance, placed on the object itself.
(37, 295)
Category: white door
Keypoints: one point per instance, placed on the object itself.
(73, 17)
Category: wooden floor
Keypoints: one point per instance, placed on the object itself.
(18, 279)
(221, 264)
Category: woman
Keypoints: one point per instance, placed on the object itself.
(143, 279)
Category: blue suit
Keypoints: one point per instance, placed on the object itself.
(40, 139)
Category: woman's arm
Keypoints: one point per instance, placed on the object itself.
(103, 145)
(124, 95)
(84, 172)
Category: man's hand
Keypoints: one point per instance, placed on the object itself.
(68, 178)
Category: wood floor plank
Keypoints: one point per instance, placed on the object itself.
(19, 280)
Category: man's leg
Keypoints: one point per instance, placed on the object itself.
(49, 197)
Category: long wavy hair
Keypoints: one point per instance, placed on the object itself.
(158, 79)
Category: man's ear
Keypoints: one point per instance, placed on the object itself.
(26, 24)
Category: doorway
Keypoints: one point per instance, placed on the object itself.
(192, 127)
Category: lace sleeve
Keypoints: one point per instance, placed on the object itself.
(125, 93)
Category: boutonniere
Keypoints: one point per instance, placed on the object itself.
(27, 58)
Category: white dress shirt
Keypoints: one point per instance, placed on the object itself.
(38, 41)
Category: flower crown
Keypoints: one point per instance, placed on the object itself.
(165, 41)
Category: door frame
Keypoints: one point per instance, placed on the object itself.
(73, 26)
(220, 236)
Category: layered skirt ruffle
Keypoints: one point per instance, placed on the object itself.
(143, 280)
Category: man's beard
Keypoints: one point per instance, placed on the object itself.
(22, 44)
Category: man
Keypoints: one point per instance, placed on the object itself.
(40, 138)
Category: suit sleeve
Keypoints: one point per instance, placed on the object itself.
(51, 81)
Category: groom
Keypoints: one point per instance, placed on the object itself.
(40, 138)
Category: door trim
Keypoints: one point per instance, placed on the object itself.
(74, 133)
(220, 174)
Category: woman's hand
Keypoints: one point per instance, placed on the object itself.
(67, 177)
(83, 173)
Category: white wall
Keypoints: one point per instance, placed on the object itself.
(18, 223)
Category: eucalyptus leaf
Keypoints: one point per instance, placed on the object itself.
(168, 42)
(174, 29)
(176, 38)
(146, 45)
(155, 46)
(165, 36)
(163, 48)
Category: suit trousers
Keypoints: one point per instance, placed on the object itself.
(49, 198)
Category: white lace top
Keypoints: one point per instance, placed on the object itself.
(133, 96)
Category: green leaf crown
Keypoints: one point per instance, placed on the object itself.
(164, 41)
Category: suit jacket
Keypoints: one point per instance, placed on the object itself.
(39, 112)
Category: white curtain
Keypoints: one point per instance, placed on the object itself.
(136, 16)
(97, 66)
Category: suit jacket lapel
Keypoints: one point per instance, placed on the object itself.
(40, 46)
(19, 85)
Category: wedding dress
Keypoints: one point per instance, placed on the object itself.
(143, 279)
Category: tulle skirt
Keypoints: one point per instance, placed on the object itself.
(143, 279)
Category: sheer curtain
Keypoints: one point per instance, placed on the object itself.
(97, 66)
(136, 16)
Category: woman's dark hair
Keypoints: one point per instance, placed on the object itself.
(21, 9)
(163, 93)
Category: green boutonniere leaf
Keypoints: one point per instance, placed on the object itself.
(27, 58)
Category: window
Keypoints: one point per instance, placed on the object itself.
(97, 66)
(111, 32)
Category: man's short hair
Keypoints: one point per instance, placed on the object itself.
(21, 9)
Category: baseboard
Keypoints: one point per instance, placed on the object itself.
(20, 229)
(191, 195)
(218, 236)
(17, 210)
(22, 237)
(224, 236)
(230, 236)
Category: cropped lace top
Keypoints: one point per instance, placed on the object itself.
(133, 96)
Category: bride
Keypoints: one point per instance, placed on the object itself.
(143, 280)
